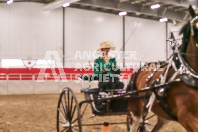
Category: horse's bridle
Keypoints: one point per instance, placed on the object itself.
(192, 29)
(183, 64)
(180, 54)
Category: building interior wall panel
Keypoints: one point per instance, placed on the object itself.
(28, 31)
(46, 87)
(84, 30)
(3, 87)
(20, 87)
(147, 38)
(76, 87)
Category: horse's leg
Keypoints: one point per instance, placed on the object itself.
(161, 124)
(135, 114)
(134, 122)
(189, 121)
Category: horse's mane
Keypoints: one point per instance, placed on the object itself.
(185, 30)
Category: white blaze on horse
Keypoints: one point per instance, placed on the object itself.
(179, 81)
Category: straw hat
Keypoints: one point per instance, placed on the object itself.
(106, 44)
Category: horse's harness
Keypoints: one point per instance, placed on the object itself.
(181, 67)
(182, 72)
(192, 29)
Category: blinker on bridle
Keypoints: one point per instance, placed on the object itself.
(193, 34)
(192, 30)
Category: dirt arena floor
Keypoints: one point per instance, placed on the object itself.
(37, 113)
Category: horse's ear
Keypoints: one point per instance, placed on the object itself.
(192, 11)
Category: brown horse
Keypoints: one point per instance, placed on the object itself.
(181, 96)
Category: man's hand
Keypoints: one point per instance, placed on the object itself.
(114, 69)
(104, 71)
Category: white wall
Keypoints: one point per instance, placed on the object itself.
(84, 30)
(28, 31)
(9, 87)
(147, 38)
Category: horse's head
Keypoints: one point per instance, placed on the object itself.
(190, 31)
(194, 25)
(189, 46)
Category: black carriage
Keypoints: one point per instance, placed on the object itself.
(103, 103)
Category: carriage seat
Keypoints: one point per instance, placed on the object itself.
(100, 108)
(95, 93)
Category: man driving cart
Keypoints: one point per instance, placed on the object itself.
(106, 72)
(106, 69)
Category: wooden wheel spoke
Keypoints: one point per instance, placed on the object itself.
(68, 100)
(74, 120)
(71, 105)
(150, 124)
(145, 126)
(76, 129)
(147, 129)
(68, 110)
(63, 108)
(62, 115)
(65, 102)
(61, 121)
(150, 117)
(63, 130)
(72, 115)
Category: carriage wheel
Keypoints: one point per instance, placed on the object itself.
(68, 112)
(146, 127)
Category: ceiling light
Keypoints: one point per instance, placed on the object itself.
(9, 1)
(66, 4)
(155, 6)
(57, 4)
(123, 13)
(163, 19)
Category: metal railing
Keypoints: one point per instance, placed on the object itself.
(49, 76)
